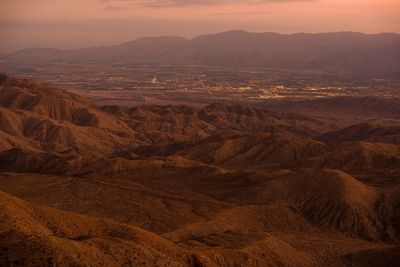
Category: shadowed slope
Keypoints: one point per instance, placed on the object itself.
(56, 104)
(37, 119)
(375, 257)
(331, 198)
(227, 184)
(32, 235)
(362, 156)
(342, 107)
(370, 132)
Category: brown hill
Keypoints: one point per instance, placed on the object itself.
(44, 130)
(255, 149)
(225, 185)
(40, 119)
(282, 150)
(356, 156)
(40, 115)
(272, 230)
(331, 198)
(349, 110)
(35, 236)
(326, 199)
(375, 257)
(370, 132)
(167, 124)
(56, 104)
(230, 117)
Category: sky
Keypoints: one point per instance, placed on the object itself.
(70, 24)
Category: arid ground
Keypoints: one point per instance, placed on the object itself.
(310, 183)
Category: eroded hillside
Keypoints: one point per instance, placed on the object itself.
(223, 185)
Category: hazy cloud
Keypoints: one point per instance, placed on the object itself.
(118, 4)
(242, 13)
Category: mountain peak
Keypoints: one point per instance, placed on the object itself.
(340, 52)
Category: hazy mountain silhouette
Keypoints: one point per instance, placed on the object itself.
(350, 52)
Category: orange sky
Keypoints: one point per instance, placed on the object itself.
(80, 23)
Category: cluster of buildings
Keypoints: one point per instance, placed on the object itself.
(145, 84)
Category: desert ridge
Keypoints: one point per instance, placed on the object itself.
(220, 185)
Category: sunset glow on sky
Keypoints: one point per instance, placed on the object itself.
(81, 23)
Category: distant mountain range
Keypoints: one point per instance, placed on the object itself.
(348, 52)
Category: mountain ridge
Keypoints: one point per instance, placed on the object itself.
(176, 37)
(342, 52)
(221, 185)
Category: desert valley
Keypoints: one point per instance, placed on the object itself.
(309, 183)
(199, 133)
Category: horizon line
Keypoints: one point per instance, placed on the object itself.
(193, 38)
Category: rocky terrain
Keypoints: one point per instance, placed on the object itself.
(312, 183)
